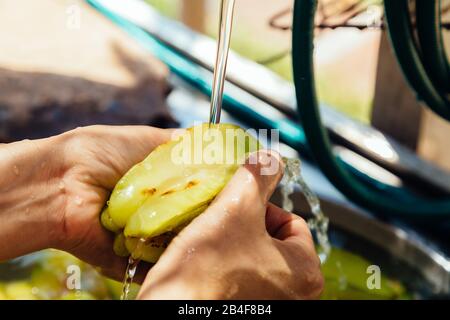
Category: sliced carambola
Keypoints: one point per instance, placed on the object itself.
(78, 295)
(149, 250)
(19, 290)
(119, 245)
(346, 278)
(180, 205)
(175, 183)
(2, 293)
(168, 166)
(108, 222)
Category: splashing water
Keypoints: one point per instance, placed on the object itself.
(223, 48)
(319, 223)
(129, 276)
(130, 272)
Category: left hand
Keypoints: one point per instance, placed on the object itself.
(96, 158)
(63, 184)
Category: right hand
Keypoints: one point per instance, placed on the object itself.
(241, 247)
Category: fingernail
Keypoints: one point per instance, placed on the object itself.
(177, 133)
(268, 162)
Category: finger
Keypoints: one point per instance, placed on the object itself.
(152, 137)
(145, 137)
(97, 250)
(139, 141)
(104, 259)
(284, 225)
(293, 233)
(119, 148)
(252, 185)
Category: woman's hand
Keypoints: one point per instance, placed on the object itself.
(54, 189)
(95, 160)
(242, 247)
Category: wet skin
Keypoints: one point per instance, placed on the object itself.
(53, 190)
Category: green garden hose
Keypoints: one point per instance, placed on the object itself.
(408, 55)
(319, 144)
(428, 18)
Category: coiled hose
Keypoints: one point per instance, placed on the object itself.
(371, 197)
(434, 56)
(419, 76)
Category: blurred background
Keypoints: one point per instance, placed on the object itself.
(352, 65)
(355, 67)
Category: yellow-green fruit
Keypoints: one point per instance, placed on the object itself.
(119, 246)
(19, 290)
(47, 283)
(173, 185)
(151, 249)
(346, 277)
(80, 295)
(2, 294)
(115, 289)
(107, 221)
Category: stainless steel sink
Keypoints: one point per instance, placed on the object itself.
(402, 255)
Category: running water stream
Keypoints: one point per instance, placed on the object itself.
(319, 223)
(223, 48)
(131, 271)
(129, 276)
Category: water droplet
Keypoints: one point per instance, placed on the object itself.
(226, 212)
(250, 178)
(78, 201)
(235, 199)
(16, 170)
(61, 186)
(189, 254)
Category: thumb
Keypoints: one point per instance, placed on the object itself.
(252, 185)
